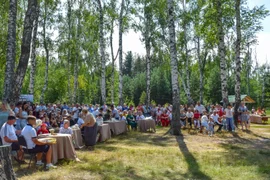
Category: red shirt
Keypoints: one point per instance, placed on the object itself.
(196, 115)
(220, 112)
(41, 131)
(164, 116)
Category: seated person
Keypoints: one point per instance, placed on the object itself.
(35, 146)
(66, 129)
(115, 113)
(38, 124)
(217, 120)
(140, 116)
(164, 118)
(122, 118)
(8, 135)
(43, 129)
(204, 121)
(99, 119)
(131, 120)
(80, 122)
(107, 115)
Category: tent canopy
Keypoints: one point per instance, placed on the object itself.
(244, 98)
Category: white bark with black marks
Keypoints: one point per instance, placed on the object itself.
(175, 124)
(237, 60)
(6, 168)
(221, 54)
(148, 56)
(121, 53)
(11, 50)
(69, 49)
(30, 16)
(102, 52)
(46, 48)
(33, 60)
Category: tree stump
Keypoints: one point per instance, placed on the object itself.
(6, 168)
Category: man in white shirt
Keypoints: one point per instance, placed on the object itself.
(9, 137)
(216, 118)
(75, 112)
(35, 146)
(229, 118)
(200, 108)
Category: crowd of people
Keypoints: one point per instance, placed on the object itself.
(30, 120)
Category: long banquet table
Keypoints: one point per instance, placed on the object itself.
(255, 118)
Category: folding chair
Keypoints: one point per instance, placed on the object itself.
(23, 143)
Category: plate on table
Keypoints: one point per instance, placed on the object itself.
(48, 140)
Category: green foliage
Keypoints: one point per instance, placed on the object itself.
(143, 98)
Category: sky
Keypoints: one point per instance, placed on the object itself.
(131, 40)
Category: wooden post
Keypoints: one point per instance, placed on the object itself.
(6, 169)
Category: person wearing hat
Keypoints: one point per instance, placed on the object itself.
(43, 129)
(35, 146)
(9, 137)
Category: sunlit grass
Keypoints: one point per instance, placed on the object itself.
(241, 155)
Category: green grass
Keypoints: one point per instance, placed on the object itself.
(242, 155)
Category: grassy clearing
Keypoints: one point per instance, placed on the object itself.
(242, 155)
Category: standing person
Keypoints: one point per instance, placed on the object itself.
(243, 115)
(190, 117)
(5, 111)
(196, 117)
(200, 108)
(204, 121)
(229, 118)
(9, 137)
(211, 127)
(35, 146)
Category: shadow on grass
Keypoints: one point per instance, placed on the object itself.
(194, 171)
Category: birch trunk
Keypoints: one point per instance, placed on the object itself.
(6, 168)
(221, 54)
(76, 65)
(148, 59)
(237, 61)
(263, 91)
(121, 54)
(175, 124)
(102, 54)
(11, 50)
(249, 64)
(33, 55)
(45, 44)
(30, 16)
(201, 62)
(69, 50)
(112, 55)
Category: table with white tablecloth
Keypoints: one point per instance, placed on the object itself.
(77, 136)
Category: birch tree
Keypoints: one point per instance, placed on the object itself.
(46, 49)
(11, 50)
(30, 16)
(237, 61)
(33, 54)
(175, 126)
(121, 52)
(102, 52)
(221, 53)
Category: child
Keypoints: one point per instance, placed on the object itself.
(210, 127)
(66, 129)
(43, 129)
(224, 123)
(204, 121)
(99, 120)
(196, 117)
